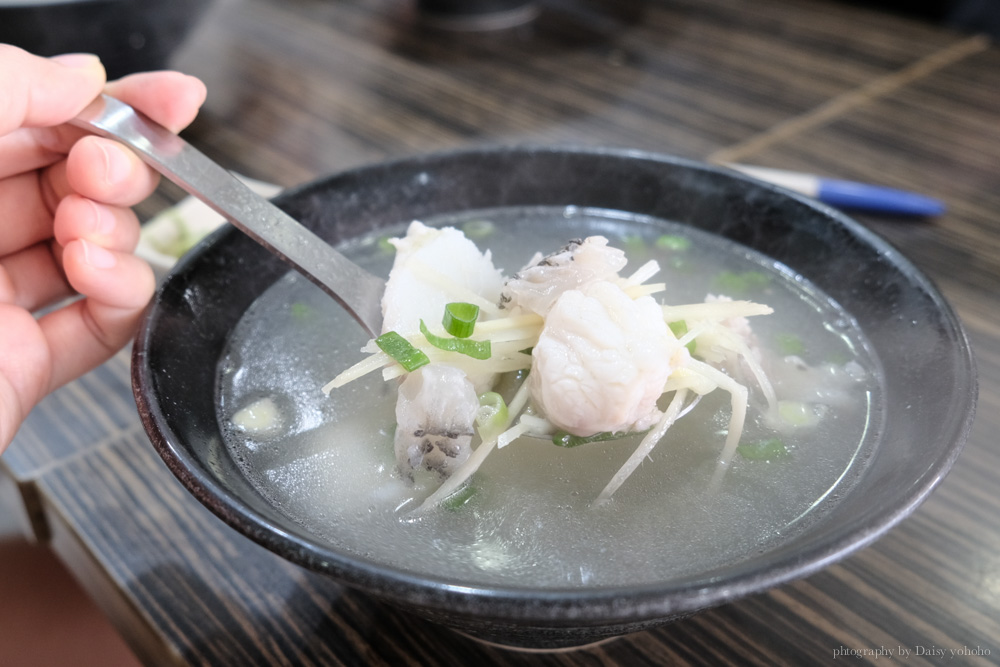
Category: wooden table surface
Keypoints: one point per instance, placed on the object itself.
(302, 88)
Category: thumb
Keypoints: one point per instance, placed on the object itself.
(41, 92)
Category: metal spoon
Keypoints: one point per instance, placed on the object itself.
(357, 290)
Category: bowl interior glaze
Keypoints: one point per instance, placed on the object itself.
(930, 384)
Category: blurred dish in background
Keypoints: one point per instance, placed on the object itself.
(175, 230)
(128, 35)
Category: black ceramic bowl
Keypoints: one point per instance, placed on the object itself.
(930, 385)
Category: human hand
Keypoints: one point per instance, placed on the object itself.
(65, 223)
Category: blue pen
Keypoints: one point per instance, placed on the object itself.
(847, 194)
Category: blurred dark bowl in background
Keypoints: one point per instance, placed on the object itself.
(477, 15)
(129, 35)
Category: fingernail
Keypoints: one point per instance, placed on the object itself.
(77, 60)
(116, 166)
(104, 221)
(96, 256)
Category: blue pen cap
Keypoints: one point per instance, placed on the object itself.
(846, 194)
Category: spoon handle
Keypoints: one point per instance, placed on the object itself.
(355, 289)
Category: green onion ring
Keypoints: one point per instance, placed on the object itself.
(460, 318)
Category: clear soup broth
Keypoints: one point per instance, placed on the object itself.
(328, 462)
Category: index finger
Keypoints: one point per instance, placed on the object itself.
(169, 98)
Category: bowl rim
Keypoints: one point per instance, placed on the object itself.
(564, 605)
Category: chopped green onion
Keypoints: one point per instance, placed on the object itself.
(477, 229)
(477, 349)
(788, 343)
(459, 498)
(797, 413)
(402, 351)
(673, 242)
(564, 439)
(460, 319)
(634, 242)
(680, 328)
(839, 357)
(764, 450)
(300, 311)
(492, 415)
(385, 245)
(731, 282)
